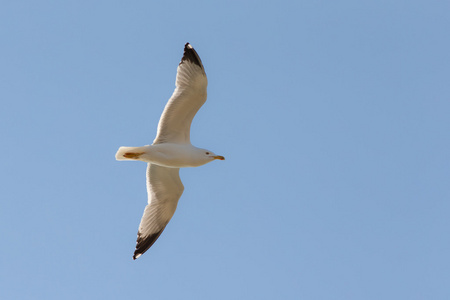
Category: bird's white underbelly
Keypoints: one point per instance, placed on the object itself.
(172, 155)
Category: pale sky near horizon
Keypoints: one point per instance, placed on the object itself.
(333, 116)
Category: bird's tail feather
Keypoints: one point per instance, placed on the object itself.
(130, 153)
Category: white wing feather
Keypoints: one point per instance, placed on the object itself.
(164, 190)
(189, 95)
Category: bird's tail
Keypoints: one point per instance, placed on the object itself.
(130, 153)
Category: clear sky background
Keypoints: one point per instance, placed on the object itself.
(333, 116)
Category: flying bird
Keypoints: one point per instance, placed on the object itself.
(171, 150)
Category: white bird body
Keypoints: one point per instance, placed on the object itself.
(168, 155)
(171, 150)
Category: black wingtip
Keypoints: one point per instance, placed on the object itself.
(143, 244)
(191, 55)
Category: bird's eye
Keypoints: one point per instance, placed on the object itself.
(207, 153)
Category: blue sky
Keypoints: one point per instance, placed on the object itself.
(333, 117)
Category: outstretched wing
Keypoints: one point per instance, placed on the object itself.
(164, 189)
(189, 95)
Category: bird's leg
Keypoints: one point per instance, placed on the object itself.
(133, 155)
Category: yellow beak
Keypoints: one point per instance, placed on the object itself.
(219, 157)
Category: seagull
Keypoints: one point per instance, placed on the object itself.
(171, 150)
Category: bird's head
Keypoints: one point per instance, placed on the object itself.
(206, 156)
